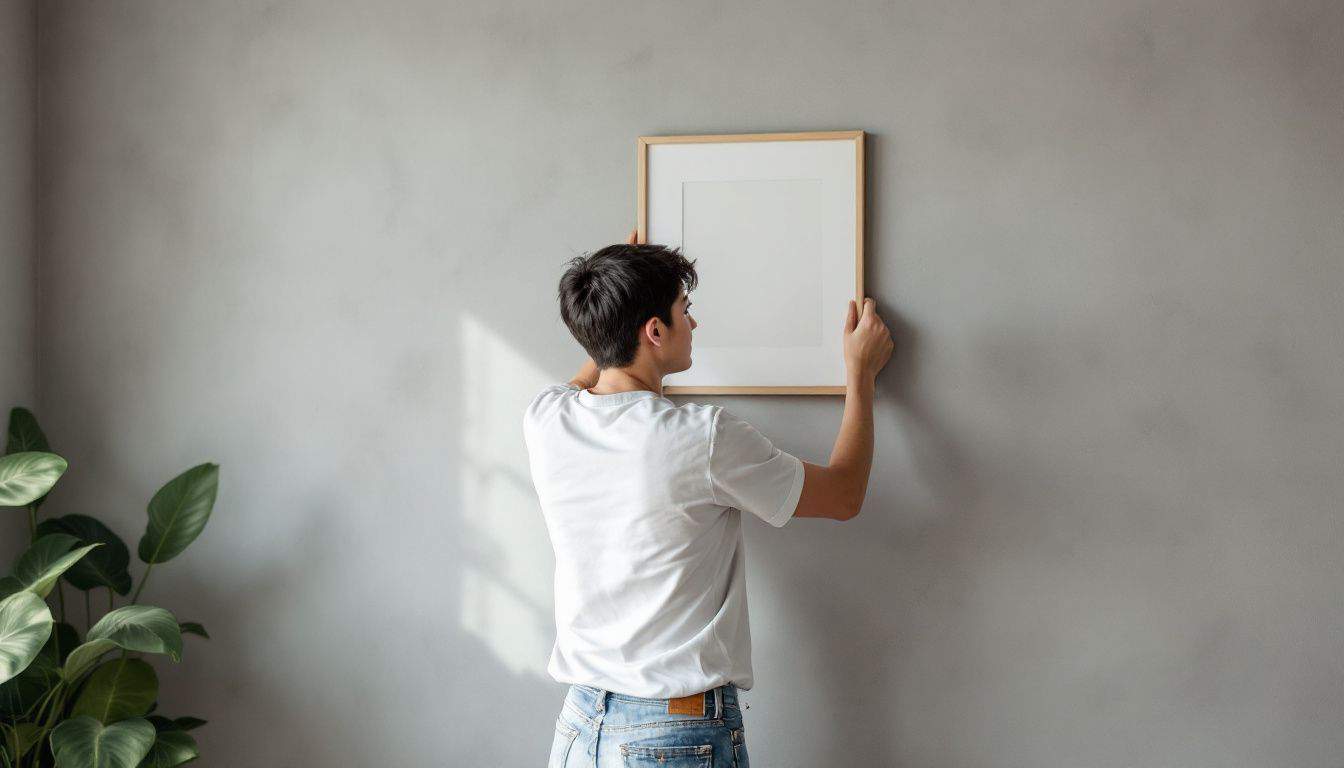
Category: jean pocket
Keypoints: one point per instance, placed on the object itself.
(678, 756)
(560, 745)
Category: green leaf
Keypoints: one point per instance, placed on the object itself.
(171, 748)
(178, 513)
(46, 560)
(188, 723)
(25, 625)
(83, 742)
(140, 628)
(24, 433)
(18, 695)
(105, 566)
(195, 628)
(27, 476)
(83, 658)
(9, 585)
(116, 690)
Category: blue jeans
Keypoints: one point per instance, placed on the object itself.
(603, 729)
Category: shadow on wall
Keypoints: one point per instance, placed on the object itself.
(837, 619)
(841, 594)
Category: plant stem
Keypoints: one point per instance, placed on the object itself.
(60, 594)
(32, 523)
(38, 705)
(143, 578)
(53, 718)
(109, 599)
(53, 695)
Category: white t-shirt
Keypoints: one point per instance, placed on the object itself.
(643, 500)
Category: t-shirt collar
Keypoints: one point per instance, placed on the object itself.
(615, 398)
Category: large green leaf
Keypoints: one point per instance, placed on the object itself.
(178, 513)
(27, 476)
(24, 433)
(83, 658)
(46, 560)
(18, 695)
(118, 689)
(25, 625)
(171, 748)
(105, 566)
(140, 628)
(83, 742)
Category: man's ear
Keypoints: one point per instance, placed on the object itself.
(653, 331)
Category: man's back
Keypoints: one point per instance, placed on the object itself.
(641, 498)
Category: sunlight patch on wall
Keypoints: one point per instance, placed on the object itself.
(508, 565)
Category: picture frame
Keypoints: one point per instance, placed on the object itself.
(775, 223)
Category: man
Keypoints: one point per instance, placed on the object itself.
(643, 500)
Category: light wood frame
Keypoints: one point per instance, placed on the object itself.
(642, 206)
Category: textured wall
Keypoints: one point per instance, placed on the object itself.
(17, 195)
(318, 243)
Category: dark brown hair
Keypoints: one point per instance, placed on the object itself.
(607, 296)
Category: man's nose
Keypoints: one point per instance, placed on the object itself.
(693, 324)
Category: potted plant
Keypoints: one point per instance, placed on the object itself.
(89, 702)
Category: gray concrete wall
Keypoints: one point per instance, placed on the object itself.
(18, 109)
(318, 243)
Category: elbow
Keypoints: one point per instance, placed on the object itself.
(850, 509)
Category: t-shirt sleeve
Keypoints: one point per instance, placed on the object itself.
(540, 402)
(748, 472)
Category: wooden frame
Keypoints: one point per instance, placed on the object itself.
(642, 201)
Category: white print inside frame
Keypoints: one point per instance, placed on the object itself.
(774, 223)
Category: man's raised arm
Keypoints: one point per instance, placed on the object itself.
(837, 489)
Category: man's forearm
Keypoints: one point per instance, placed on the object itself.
(852, 456)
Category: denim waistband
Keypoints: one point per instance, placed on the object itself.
(592, 700)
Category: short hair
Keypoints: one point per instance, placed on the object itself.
(607, 296)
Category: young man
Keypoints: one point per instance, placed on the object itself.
(643, 500)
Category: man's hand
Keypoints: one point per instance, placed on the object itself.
(868, 343)
(633, 238)
(586, 377)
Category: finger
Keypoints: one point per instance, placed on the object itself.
(634, 236)
(851, 317)
(869, 307)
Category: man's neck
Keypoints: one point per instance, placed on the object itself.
(632, 378)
